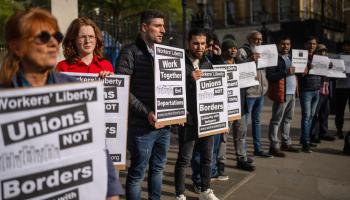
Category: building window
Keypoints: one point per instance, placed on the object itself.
(229, 13)
(305, 8)
(285, 9)
(256, 9)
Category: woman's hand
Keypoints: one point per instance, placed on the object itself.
(103, 74)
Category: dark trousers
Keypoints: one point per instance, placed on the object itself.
(342, 96)
(184, 157)
(319, 125)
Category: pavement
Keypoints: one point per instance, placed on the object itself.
(321, 175)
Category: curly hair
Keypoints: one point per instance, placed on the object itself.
(70, 51)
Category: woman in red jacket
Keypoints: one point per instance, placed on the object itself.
(82, 48)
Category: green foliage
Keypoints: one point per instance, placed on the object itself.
(7, 8)
(127, 8)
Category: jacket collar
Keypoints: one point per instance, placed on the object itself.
(17, 80)
(141, 44)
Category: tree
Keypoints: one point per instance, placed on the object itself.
(120, 9)
(7, 8)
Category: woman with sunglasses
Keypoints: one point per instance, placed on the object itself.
(33, 39)
(82, 48)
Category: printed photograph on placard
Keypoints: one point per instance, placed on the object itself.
(299, 60)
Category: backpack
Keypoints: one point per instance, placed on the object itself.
(346, 149)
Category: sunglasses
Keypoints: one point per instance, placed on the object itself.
(44, 37)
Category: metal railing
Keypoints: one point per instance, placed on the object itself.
(3, 52)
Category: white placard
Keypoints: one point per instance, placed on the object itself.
(170, 85)
(338, 68)
(320, 65)
(212, 103)
(247, 74)
(116, 99)
(233, 91)
(82, 176)
(299, 60)
(268, 55)
(346, 59)
(51, 142)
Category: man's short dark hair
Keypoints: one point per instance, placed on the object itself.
(147, 15)
(197, 32)
(282, 38)
(311, 37)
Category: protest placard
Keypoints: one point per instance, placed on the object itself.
(320, 65)
(212, 103)
(76, 177)
(233, 91)
(50, 141)
(346, 59)
(247, 74)
(116, 96)
(337, 68)
(299, 60)
(268, 55)
(170, 85)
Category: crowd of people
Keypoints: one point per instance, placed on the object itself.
(33, 39)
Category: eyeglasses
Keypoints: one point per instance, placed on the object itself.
(86, 37)
(44, 37)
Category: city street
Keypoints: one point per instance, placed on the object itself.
(321, 175)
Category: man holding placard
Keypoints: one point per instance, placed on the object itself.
(188, 135)
(309, 95)
(147, 143)
(282, 91)
(342, 91)
(255, 94)
(229, 55)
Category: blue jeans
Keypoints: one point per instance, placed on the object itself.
(219, 155)
(308, 102)
(146, 147)
(255, 106)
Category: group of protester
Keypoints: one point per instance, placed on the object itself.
(33, 39)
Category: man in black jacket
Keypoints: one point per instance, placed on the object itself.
(188, 135)
(147, 144)
(309, 86)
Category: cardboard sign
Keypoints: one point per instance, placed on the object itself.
(299, 60)
(212, 103)
(337, 69)
(268, 55)
(116, 96)
(170, 85)
(51, 143)
(233, 91)
(346, 59)
(247, 74)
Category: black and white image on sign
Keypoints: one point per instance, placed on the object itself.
(212, 103)
(170, 93)
(233, 91)
(116, 96)
(299, 60)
